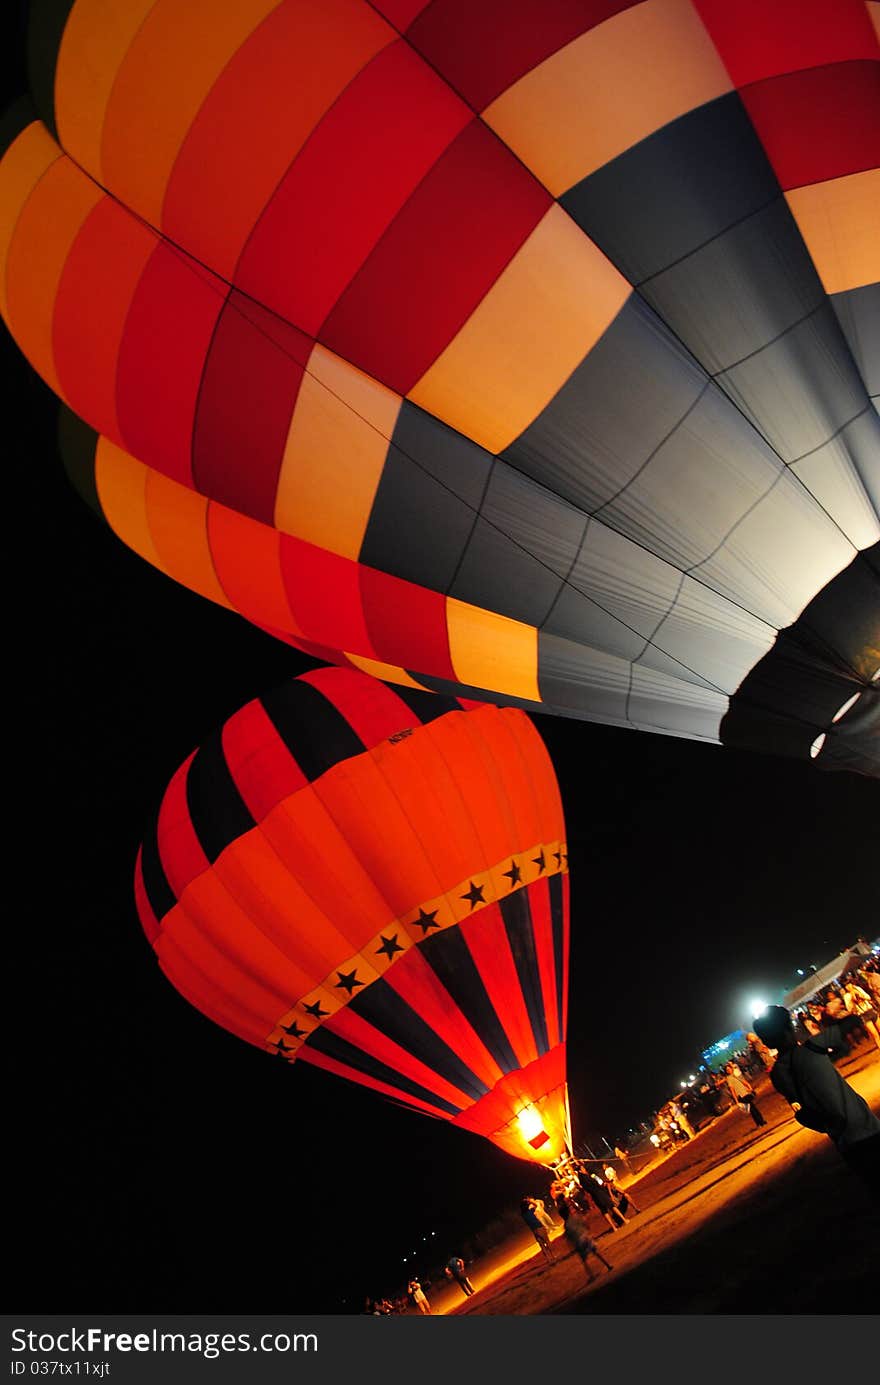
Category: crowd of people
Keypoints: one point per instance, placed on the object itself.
(796, 1048)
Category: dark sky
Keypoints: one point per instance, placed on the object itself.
(162, 1164)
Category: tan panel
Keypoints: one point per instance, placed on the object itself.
(534, 326)
(386, 673)
(874, 15)
(22, 167)
(96, 38)
(491, 651)
(178, 520)
(607, 90)
(840, 223)
(335, 451)
(178, 54)
(121, 483)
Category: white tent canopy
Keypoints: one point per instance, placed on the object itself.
(846, 961)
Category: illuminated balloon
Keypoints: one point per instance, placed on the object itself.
(374, 880)
(521, 348)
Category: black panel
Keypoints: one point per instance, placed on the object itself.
(497, 574)
(323, 1041)
(518, 926)
(78, 443)
(316, 734)
(467, 690)
(427, 501)
(739, 292)
(388, 1012)
(675, 190)
(426, 706)
(557, 923)
(816, 664)
(160, 894)
(14, 119)
(450, 959)
(218, 811)
(48, 19)
(613, 412)
(858, 312)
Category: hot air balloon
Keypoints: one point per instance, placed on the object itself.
(374, 880)
(508, 349)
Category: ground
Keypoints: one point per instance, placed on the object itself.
(742, 1219)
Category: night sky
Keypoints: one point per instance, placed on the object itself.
(162, 1164)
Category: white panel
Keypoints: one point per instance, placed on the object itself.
(710, 635)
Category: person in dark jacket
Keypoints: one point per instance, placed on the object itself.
(455, 1270)
(805, 1075)
(601, 1197)
(538, 1227)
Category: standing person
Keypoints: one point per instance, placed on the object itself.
(858, 1002)
(761, 1051)
(819, 1096)
(682, 1120)
(743, 1093)
(417, 1294)
(455, 1270)
(578, 1235)
(623, 1156)
(600, 1196)
(529, 1212)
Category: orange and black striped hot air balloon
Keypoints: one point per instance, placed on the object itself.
(374, 880)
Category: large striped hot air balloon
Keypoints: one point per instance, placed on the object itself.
(515, 348)
(374, 880)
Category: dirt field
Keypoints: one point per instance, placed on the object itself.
(740, 1220)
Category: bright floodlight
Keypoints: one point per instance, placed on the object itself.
(758, 1007)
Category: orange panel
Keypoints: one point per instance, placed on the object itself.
(25, 162)
(177, 517)
(839, 222)
(492, 651)
(96, 38)
(608, 90)
(257, 117)
(121, 483)
(207, 997)
(46, 229)
(336, 447)
(173, 62)
(248, 564)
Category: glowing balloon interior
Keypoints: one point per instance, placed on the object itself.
(516, 348)
(374, 880)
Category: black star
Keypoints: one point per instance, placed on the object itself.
(347, 981)
(315, 1010)
(389, 945)
(540, 862)
(281, 1048)
(560, 857)
(514, 875)
(475, 895)
(293, 1030)
(427, 921)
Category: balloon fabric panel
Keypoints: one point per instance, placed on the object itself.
(703, 393)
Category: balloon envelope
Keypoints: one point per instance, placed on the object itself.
(526, 350)
(374, 881)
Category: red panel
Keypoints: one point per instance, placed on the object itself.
(819, 124)
(407, 623)
(180, 851)
(149, 922)
(488, 943)
(320, 1060)
(493, 1111)
(362, 1035)
(260, 763)
(373, 709)
(482, 49)
(252, 377)
(417, 983)
(202, 992)
(542, 930)
(354, 174)
(566, 953)
(99, 279)
(437, 260)
(161, 358)
(324, 595)
(758, 39)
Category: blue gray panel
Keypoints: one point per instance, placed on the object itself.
(858, 312)
(617, 407)
(426, 502)
(675, 190)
